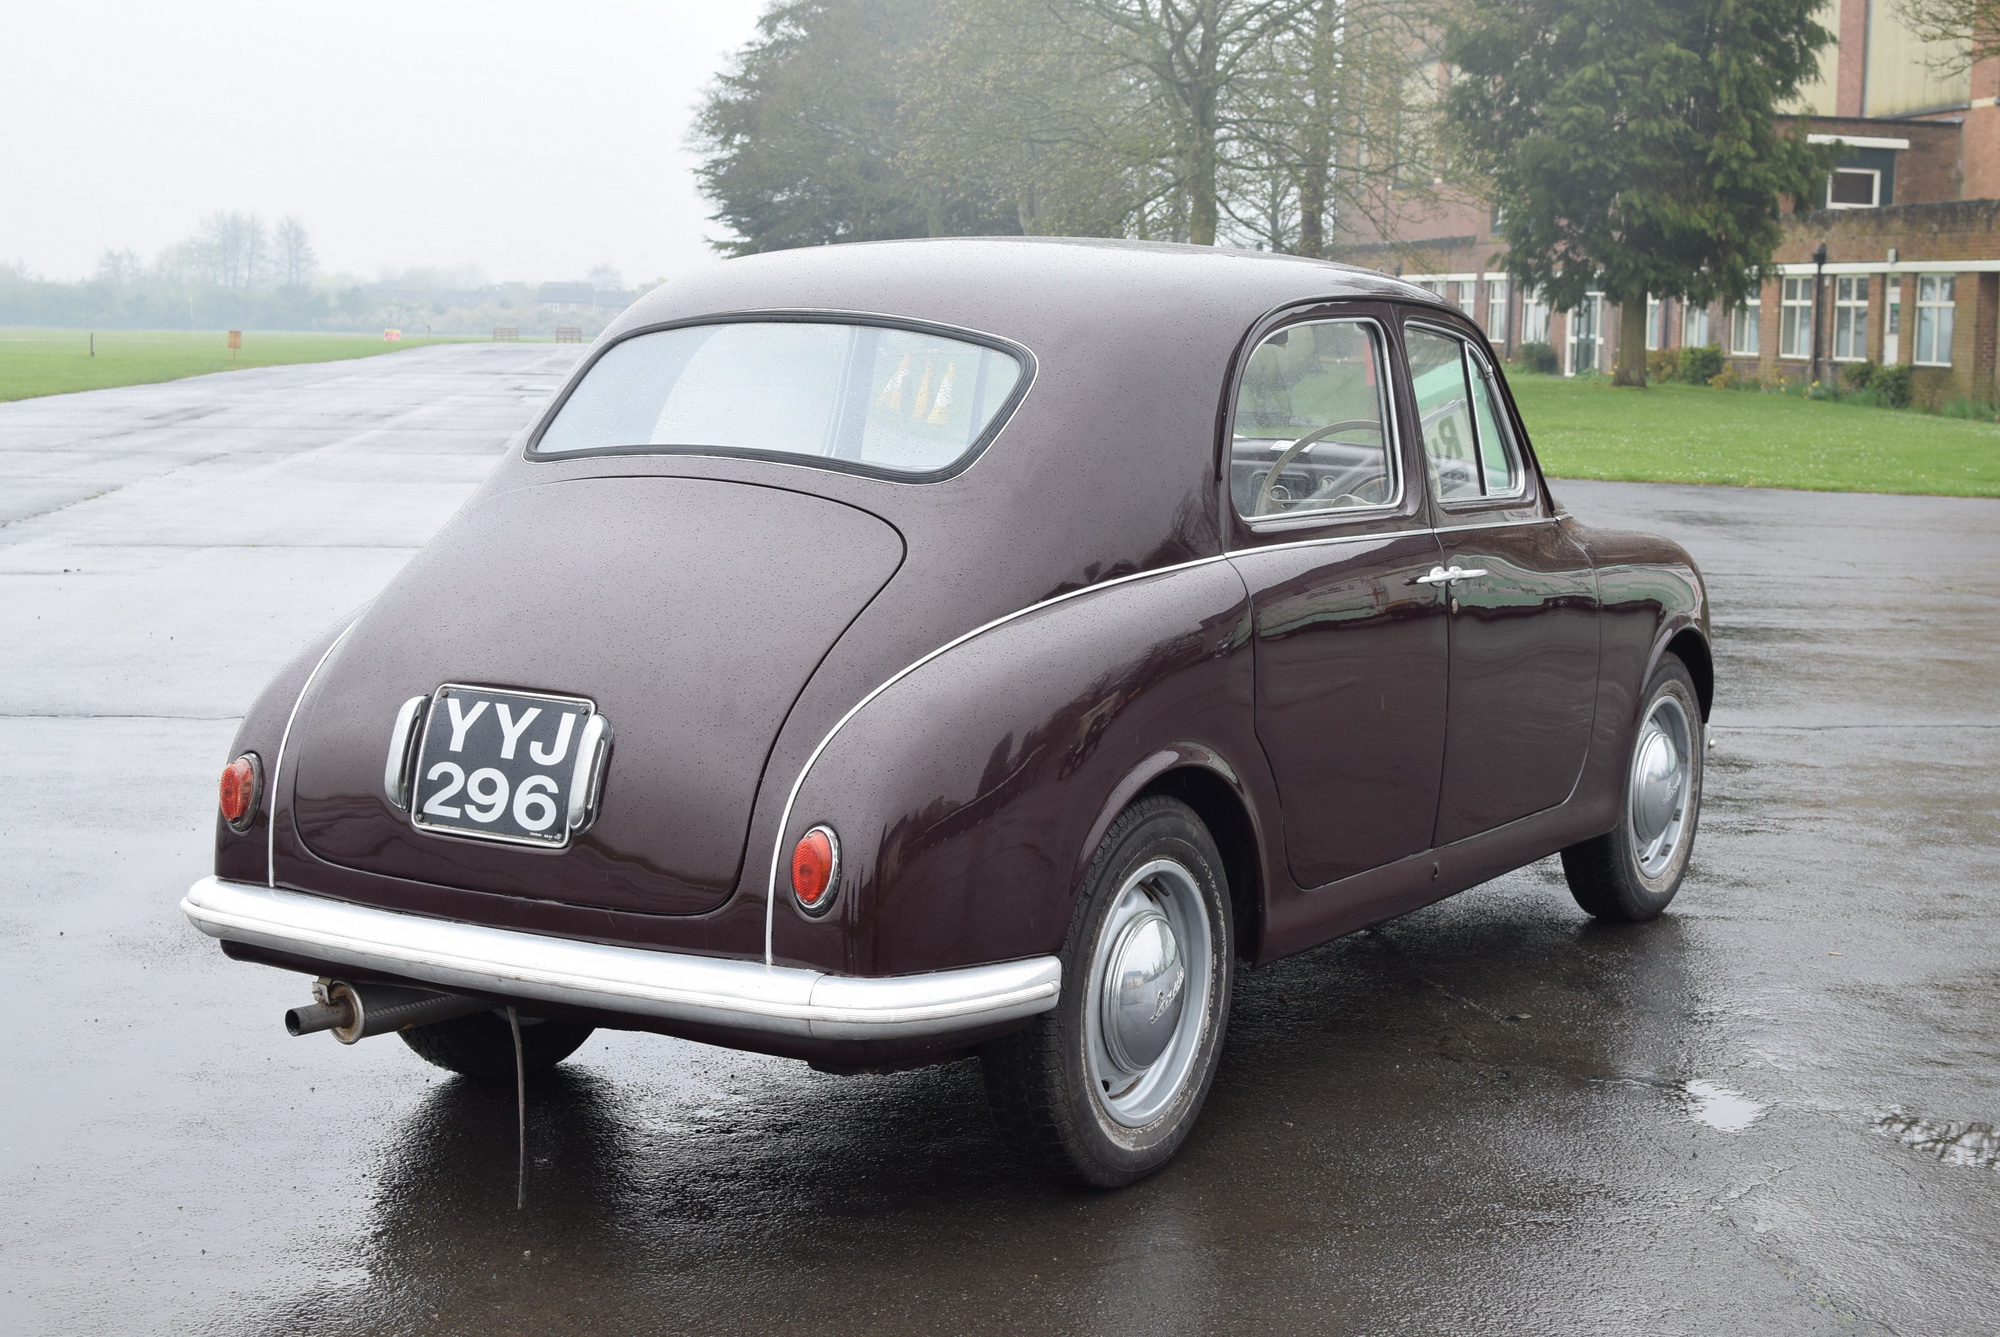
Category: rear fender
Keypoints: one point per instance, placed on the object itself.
(970, 792)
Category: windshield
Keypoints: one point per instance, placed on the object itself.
(894, 399)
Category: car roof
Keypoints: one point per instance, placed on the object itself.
(1034, 290)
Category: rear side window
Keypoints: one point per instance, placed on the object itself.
(1466, 443)
(1312, 423)
(885, 399)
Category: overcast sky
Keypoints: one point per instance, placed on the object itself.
(534, 140)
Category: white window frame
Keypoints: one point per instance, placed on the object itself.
(1937, 304)
(1498, 293)
(1655, 326)
(1746, 333)
(1795, 317)
(1850, 318)
(1874, 174)
(1594, 303)
(1692, 317)
(1534, 319)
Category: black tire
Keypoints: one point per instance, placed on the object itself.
(482, 1045)
(1612, 876)
(1045, 1083)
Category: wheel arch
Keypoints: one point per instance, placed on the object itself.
(1223, 810)
(1691, 648)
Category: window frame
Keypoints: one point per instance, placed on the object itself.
(1874, 174)
(800, 316)
(1949, 304)
(1746, 317)
(1805, 307)
(1847, 307)
(1524, 491)
(1385, 389)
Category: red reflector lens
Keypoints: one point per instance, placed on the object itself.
(814, 864)
(239, 790)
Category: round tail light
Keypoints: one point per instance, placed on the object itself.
(816, 869)
(238, 794)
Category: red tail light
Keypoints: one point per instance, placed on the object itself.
(816, 869)
(239, 791)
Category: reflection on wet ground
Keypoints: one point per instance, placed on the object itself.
(1771, 1112)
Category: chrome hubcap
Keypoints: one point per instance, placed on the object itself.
(1149, 985)
(1662, 785)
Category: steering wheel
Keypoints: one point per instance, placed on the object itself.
(1262, 505)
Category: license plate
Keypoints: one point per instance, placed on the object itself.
(521, 767)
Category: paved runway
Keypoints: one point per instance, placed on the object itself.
(1771, 1112)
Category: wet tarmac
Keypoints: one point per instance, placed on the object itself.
(1771, 1112)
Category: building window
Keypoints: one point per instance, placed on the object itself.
(1934, 312)
(1459, 294)
(1586, 334)
(1534, 319)
(1496, 309)
(1795, 318)
(1745, 338)
(1694, 327)
(1850, 319)
(1653, 339)
(1854, 188)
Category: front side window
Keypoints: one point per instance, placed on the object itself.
(1850, 319)
(1466, 442)
(895, 400)
(1312, 429)
(1795, 318)
(1935, 299)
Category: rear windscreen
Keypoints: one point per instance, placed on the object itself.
(901, 400)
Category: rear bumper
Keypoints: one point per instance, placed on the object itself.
(700, 990)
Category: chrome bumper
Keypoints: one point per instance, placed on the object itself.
(748, 995)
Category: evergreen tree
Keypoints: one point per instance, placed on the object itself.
(1636, 149)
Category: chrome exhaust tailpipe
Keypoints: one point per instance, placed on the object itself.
(356, 1011)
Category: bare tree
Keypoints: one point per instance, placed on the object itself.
(229, 250)
(116, 268)
(296, 259)
(1963, 31)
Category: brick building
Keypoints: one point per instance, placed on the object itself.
(1910, 219)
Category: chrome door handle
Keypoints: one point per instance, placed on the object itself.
(1439, 575)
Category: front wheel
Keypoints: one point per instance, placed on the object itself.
(1630, 873)
(1104, 1089)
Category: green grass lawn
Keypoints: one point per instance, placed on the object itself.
(1672, 433)
(57, 362)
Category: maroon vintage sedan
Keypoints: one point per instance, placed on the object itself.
(888, 653)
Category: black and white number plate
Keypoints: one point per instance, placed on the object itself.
(515, 766)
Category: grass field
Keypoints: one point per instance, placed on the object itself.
(57, 362)
(1671, 433)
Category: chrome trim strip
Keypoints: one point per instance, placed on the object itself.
(1326, 539)
(278, 766)
(667, 985)
(1498, 524)
(785, 818)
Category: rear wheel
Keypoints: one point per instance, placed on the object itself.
(482, 1045)
(1104, 1089)
(1630, 873)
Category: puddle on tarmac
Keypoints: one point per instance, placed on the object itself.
(1975, 1144)
(1720, 1108)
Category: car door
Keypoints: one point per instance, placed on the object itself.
(1522, 599)
(1327, 515)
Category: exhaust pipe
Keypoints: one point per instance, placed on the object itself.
(356, 1011)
